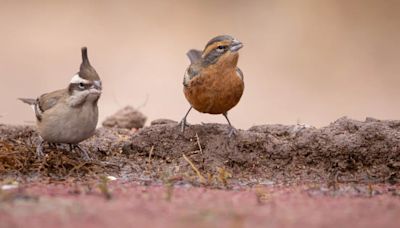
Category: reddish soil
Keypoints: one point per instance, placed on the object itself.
(132, 204)
(342, 175)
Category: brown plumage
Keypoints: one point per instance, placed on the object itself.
(213, 83)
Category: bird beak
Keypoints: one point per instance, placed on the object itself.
(235, 45)
(97, 86)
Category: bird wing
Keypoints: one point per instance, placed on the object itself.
(49, 100)
(191, 72)
(44, 102)
(194, 55)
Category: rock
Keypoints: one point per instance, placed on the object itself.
(127, 117)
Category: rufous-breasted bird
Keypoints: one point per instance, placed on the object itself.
(213, 83)
(69, 115)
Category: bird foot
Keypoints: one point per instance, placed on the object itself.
(84, 154)
(40, 148)
(232, 132)
(183, 125)
(53, 145)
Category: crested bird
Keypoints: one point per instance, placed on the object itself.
(69, 115)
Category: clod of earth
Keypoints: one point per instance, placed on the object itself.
(127, 118)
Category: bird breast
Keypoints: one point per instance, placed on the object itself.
(214, 91)
(66, 124)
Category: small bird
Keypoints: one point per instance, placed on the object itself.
(213, 83)
(69, 115)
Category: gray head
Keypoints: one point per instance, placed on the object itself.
(86, 83)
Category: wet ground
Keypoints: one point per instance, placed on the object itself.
(345, 174)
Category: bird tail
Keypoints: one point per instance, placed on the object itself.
(28, 101)
(34, 105)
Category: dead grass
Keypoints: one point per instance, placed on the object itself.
(21, 160)
(195, 169)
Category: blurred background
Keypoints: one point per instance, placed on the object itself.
(303, 61)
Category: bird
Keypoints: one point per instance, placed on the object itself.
(69, 115)
(213, 83)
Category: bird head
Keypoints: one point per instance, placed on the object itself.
(221, 50)
(86, 83)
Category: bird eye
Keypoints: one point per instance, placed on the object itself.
(81, 86)
(221, 48)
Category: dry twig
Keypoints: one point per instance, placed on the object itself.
(202, 179)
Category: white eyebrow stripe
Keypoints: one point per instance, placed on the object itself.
(77, 79)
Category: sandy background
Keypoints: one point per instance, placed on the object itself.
(303, 61)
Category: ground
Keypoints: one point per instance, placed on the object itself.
(342, 175)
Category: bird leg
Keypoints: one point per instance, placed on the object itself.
(40, 148)
(232, 130)
(183, 122)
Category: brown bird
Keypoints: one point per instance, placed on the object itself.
(213, 83)
(69, 115)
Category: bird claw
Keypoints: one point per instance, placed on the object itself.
(39, 150)
(183, 124)
(84, 154)
(53, 145)
(232, 132)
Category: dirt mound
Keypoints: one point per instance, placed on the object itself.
(345, 151)
(127, 118)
